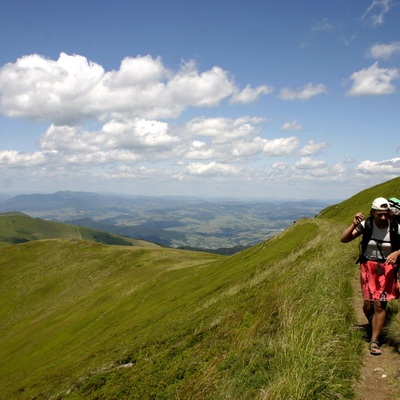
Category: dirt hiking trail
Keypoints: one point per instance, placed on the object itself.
(380, 375)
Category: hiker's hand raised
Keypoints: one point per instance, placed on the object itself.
(358, 218)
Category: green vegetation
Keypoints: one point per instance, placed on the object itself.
(82, 320)
(16, 227)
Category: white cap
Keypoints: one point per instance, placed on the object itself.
(380, 204)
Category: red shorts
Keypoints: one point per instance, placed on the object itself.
(379, 281)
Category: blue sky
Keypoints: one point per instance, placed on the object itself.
(255, 99)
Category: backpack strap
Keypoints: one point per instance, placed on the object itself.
(366, 236)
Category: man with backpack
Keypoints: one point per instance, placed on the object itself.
(380, 249)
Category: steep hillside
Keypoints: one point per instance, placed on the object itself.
(85, 320)
(17, 227)
(343, 212)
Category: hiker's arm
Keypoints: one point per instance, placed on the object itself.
(392, 257)
(351, 232)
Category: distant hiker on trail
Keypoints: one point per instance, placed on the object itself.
(378, 263)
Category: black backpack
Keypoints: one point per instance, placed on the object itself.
(367, 233)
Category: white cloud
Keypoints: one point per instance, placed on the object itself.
(307, 169)
(292, 126)
(305, 93)
(223, 130)
(139, 71)
(214, 126)
(384, 51)
(208, 88)
(72, 89)
(39, 89)
(280, 146)
(312, 148)
(221, 140)
(68, 139)
(373, 81)
(249, 94)
(14, 158)
(199, 151)
(309, 163)
(136, 135)
(387, 167)
(211, 169)
(376, 11)
(282, 166)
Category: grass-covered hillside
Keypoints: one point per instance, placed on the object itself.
(16, 227)
(82, 320)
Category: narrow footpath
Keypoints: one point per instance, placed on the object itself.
(380, 375)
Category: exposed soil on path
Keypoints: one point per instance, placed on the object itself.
(380, 375)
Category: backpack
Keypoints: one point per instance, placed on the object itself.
(395, 208)
(367, 233)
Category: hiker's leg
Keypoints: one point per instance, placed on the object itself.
(368, 308)
(378, 320)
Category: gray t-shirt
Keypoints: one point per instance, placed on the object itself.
(379, 246)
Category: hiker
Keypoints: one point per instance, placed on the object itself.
(378, 263)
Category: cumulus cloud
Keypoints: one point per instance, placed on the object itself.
(136, 135)
(292, 126)
(309, 163)
(376, 11)
(211, 169)
(280, 146)
(72, 89)
(69, 139)
(42, 89)
(312, 148)
(190, 88)
(14, 158)
(249, 94)
(281, 166)
(308, 169)
(305, 93)
(223, 129)
(373, 81)
(222, 140)
(384, 51)
(386, 167)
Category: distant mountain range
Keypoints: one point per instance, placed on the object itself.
(171, 221)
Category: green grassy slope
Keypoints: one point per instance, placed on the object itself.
(80, 320)
(16, 227)
(343, 212)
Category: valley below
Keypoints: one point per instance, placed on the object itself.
(178, 222)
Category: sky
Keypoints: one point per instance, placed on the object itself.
(222, 98)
